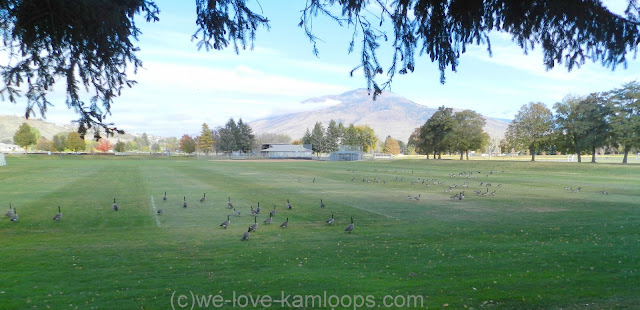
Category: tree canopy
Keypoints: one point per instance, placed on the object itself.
(531, 127)
(25, 136)
(90, 44)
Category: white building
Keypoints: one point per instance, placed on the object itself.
(10, 148)
(285, 151)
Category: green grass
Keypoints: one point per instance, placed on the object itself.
(532, 245)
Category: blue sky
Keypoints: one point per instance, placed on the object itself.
(180, 87)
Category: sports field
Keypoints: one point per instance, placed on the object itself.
(541, 235)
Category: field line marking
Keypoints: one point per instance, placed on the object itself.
(155, 212)
(385, 215)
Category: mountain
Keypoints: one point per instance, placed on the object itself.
(9, 125)
(389, 114)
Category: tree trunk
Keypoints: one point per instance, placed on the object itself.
(593, 155)
(579, 157)
(533, 154)
(461, 155)
(626, 154)
(467, 153)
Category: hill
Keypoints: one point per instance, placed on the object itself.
(389, 114)
(9, 125)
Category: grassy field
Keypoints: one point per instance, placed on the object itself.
(533, 244)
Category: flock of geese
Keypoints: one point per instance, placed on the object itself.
(255, 212)
(13, 214)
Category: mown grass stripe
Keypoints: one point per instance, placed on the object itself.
(155, 211)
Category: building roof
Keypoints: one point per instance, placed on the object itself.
(286, 148)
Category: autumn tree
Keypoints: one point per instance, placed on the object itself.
(391, 146)
(531, 128)
(366, 137)
(171, 144)
(43, 144)
(75, 142)
(89, 45)
(104, 145)
(187, 144)
(205, 140)
(25, 136)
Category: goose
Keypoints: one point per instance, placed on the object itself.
(14, 217)
(204, 196)
(330, 221)
(184, 201)
(164, 198)
(160, 211)
(229, 204)
(254, 226)
(115, 205)
(268, 220)
(236, 213)
(604, 192)
(258, 208)
(289, 205)
(225, 223)
(350, 226)
(285, 224)
(58, 216)
(272, 213)
(321, 203)
(246, 234)
(253, 212)
(10, 212)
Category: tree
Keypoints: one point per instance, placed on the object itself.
(88, 44)
(366, 137)
(144, 142)
(104, 145)
(172, 144)
(415, 142)
(25, 136)
(434, 134)
(228, 135)
(205, 140)
(391, 146)
(75, 142)
(332, 137)
(531, 127)
(155, 147)
(60, 141)
(317, 138)
(187, 144)
(43, 144)
(468, 134)
(120, 146)
(582, 124)
(624, 103)
(244, 137)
